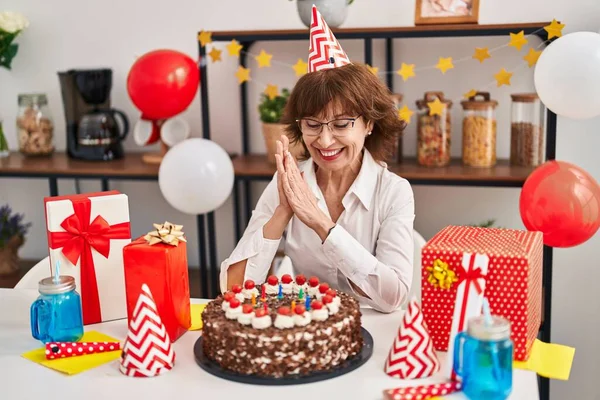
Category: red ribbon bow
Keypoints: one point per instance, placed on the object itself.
(78, 240)
(472, 276)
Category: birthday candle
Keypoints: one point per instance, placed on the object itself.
(280, 294)
(263, 289)
(293, 306)
(265, 305)
(301, 294)
(307, 303)
(253, 300)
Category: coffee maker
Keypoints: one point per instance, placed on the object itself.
(93, 132)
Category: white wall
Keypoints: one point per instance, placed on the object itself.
(68, 34)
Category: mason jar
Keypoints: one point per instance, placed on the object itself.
(35, 127)
(433, 130)
(527, 133)
(479, 131)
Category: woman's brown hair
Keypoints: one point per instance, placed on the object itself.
(359, 92)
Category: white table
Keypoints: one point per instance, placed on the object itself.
(23, 379)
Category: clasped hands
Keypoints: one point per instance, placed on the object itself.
(295, 197)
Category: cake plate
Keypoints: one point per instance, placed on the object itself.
(347, 366)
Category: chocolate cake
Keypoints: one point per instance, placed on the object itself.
(257, 330)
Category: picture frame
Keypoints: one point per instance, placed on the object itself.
(434, 12)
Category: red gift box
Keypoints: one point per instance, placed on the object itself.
(164, 268)
(86, 236)
(513, 282)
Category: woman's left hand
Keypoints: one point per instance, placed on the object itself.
(302, 200)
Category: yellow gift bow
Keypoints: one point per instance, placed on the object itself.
(166, 233)
(440, 275)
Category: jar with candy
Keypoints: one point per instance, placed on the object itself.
(479, 131)
(35, 127)
(434, 129)
(527, 136)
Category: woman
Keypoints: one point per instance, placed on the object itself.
(346, 219)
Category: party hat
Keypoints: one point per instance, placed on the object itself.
(412, 355)
(147, 350)
(325, 51)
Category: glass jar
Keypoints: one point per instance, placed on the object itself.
(527, 134)
(483, 358)
(434, 129)
(35, 128)
(56, 315)
(479, 131)
(396, 156)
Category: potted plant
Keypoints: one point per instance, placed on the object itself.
(271, 111)
(12, 237)
(11, 25)
(333, 11)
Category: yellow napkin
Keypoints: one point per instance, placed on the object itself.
(75, 365)
(549, 360)
(196, 310)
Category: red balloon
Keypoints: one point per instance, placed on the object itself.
(163, 83)
(563, 202)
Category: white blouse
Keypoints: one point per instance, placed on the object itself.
(371, 245)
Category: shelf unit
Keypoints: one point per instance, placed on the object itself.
(254, 167)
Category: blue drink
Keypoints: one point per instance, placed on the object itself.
(483, 359)
(56, 315)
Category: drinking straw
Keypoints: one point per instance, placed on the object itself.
(57, 272)
(487, 318)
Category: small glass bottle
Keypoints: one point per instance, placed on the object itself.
(35, 127)
(483, 359)
(527, 134)
(433, 130)
(56, 315)
(479, 131)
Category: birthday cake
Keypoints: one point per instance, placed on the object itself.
(282, 328)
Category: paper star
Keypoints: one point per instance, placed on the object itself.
(215, 54)
(234, 48)
(532, 57)
(373, 70)
(271, 91)
(517, 40)
(406, 71)
(300, 67)
(436, 107)
(470, 94)
(243, 74)
(444, 64)
(554, 29)
(205, 38)
(503, 77)
(481, 54)
(264, 59)
(405, 113)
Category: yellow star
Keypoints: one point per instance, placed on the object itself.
(554, 29)
(215, 54)
(517, 40)
(405, 113)
(264, 59)
(234, 48)
(481, 54)
(470, 94)
(205, 38)
(406, 71)
(373, 70)
(444, 64)
(436, 107)
(532, 56)
(243, 74)
(271, 91)
(503, 77)
(300, 67)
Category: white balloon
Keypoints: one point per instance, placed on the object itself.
(196, 176)
(567, 75)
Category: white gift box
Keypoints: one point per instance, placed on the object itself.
(86, 234)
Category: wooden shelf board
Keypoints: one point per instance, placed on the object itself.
(257, 166)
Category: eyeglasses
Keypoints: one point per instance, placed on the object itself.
(338, 127)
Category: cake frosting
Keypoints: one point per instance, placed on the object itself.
(280, 341)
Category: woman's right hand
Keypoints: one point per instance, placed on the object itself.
(282, 147)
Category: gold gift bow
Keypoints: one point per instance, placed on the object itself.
(166, 233)
(440, 275)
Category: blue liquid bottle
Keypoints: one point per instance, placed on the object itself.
(483, 359)
(56, 315)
